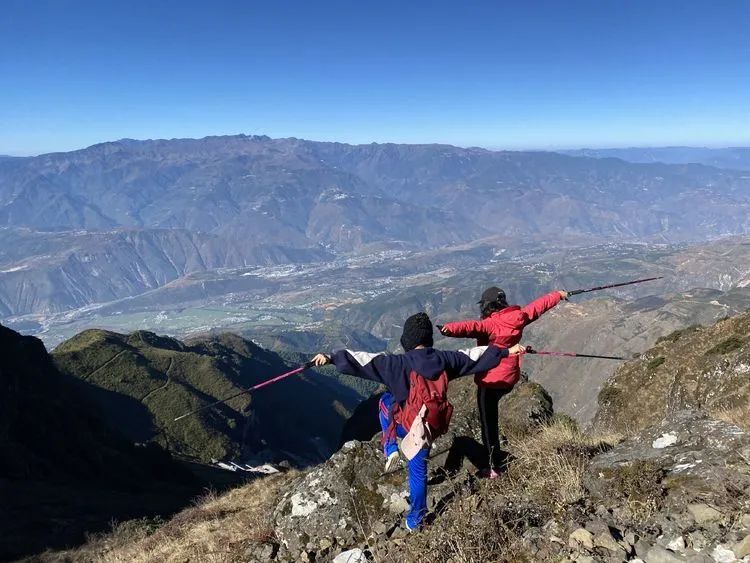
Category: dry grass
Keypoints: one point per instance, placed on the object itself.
(486, 519)
(217, 529)
(548, 466)
(475, 527)
(639, 486)
(738, 415)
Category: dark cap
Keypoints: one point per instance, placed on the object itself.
(417, 331)
(492, 294)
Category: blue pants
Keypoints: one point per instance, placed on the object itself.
(417, 466)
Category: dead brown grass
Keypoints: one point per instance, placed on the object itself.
(217, 529)
(486, 519)
(738, 415)
(548, 466)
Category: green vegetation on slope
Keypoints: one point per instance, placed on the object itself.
(141, 382)
(64, 472)
(703, 367)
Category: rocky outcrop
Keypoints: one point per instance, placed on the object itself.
(341, 502)
(677, 491)
(349, 499)
(524, 409)
(705, 368)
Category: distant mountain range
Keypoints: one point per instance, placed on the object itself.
(733, 158)
(119, 219)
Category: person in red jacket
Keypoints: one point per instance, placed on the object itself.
(501, 324)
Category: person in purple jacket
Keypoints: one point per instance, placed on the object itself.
(396, 371)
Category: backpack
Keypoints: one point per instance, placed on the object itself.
(432, 394)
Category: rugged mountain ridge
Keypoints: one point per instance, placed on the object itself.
(676, 489)
(242, 185)
(141, 382)
(235, 201)
(63, 471)
(733, 158)
(696, 367)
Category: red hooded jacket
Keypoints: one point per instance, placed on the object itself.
(502, 328)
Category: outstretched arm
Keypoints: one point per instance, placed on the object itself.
(538, 307)
(366, 365)
(477, 359)
(465, 329)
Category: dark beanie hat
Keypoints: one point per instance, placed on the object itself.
(417, 330)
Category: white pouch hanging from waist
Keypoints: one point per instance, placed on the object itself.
(418, 436)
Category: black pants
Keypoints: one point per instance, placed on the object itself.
(487, 399)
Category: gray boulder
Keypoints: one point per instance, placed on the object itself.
(343, 501)
(686, 477)
(524, 409)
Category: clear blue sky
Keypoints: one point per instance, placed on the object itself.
(546, 74)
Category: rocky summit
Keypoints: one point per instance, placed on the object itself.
(674, 488)
(349, 498)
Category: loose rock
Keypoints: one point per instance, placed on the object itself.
(703, 514)
(352, 556)
(722, 554)
(742, 549)
(581, 537)
(659, 554)
(606, 541)
(677, 544)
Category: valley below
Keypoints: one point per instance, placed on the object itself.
(359, 302)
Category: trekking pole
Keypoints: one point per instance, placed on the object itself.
(529, 350)
(251, 389)
(579, 291)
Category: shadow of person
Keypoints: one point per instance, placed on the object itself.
(462, 448)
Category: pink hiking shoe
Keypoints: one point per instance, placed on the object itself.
(489, 473)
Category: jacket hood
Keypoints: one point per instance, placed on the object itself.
(511, 317)
(426, 362)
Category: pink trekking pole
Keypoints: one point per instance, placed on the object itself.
(251, 389)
